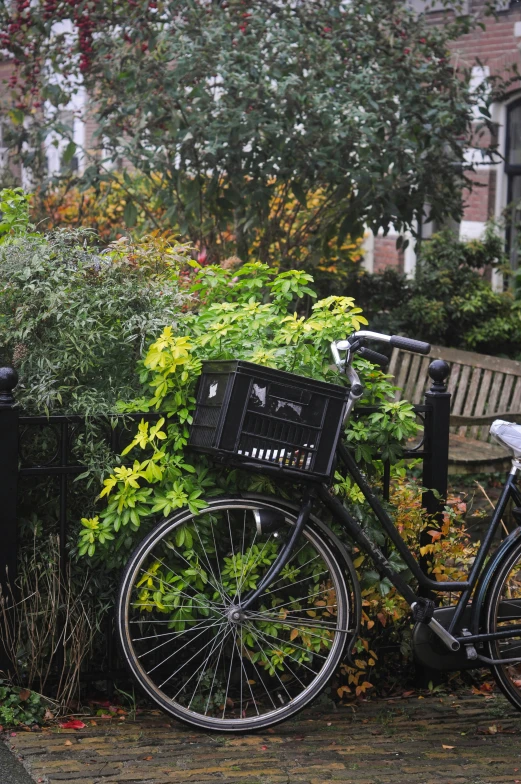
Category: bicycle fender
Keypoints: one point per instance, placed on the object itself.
(340, 548)
(487, 576)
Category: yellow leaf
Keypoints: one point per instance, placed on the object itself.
(294, 634)
(443, 746)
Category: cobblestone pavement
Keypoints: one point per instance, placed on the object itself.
(447, 740)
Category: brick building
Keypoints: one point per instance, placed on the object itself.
(498, 185)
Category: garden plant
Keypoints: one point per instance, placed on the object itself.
(251, 312)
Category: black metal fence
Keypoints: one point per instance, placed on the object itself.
(61, 463)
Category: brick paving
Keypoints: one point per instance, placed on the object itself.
(466, 739)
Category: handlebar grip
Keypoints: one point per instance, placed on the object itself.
(373, 356)
(417, 346)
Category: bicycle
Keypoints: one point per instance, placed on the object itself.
(236, 617)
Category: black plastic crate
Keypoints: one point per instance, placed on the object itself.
(256, 414)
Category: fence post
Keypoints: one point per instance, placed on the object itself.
(436, 461)
(8, 477)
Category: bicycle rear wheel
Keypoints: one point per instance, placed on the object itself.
(503, 612)
(190, 647)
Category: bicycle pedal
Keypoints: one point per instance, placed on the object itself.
(470, 650)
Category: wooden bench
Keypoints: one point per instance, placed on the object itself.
(483, 388)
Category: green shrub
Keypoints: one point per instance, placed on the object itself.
(249, 314)
(75, 320)
(450, 302)
(19, 706)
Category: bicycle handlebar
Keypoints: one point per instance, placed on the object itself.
(354, 345)
(417, 346)
(373, 356)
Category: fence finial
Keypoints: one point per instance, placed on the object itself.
(8, 381)
(439, 372)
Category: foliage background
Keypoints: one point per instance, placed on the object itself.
(450, 301)
(250, 128)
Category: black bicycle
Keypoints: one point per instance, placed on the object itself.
(236, 617)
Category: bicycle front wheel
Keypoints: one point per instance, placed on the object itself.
(191, 648)
(503, 614)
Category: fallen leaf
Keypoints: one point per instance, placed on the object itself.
(492, 730)
(264, 748)
(48, 715)
(271, 731)
(24, 694)
(148, 758)
(443, 746)
(329, 723)
(93, 723)
(74, 724)
(68, 743)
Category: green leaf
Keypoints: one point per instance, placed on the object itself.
(130, 214)
(68, 153)
(299, 193)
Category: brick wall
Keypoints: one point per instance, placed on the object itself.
(386, 254)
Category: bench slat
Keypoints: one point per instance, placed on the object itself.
(515, 403)
(395, 357)
(506, 393)
(403, 370)
(453, 379)
(493, 400)
(472, 394)
(411, 386)
(481, 402)
(459, 398)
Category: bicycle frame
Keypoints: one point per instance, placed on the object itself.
(480, 574)
(477, 575)
(478, 578)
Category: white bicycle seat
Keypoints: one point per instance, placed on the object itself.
(508, 434)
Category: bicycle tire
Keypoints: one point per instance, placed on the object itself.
(503, 605)
(320, 634)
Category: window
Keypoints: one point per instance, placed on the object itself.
(513, 172)
(506, 5)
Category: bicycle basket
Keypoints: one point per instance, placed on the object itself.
(251, 413)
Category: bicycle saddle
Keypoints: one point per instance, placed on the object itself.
(508, 434)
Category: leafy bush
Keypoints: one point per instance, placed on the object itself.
(74, 320)
(19, 706)
(450, 302)
(242, 315)
(299, 235)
